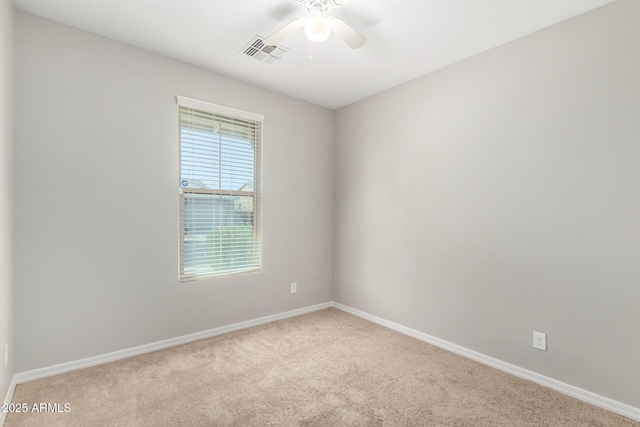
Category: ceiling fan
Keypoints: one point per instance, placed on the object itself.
(317, 25)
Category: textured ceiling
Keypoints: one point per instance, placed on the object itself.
(406, 38)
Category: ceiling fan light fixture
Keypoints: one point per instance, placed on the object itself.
(317, 27)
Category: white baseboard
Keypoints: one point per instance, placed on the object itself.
(7, 399)
(578, 393)
(49, 371)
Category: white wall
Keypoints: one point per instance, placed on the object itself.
(96, 238)
(501, 195)
(6, 189)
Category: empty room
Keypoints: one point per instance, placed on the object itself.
(320, 213)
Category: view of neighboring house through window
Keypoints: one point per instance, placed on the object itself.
(219, 190)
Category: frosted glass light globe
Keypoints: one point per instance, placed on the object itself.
(317, 28)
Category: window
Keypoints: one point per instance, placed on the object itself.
(219, 190)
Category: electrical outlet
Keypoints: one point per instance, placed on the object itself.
(294, 288)
(6, 355)
(540, 341)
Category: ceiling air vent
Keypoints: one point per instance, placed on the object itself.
(267, 54)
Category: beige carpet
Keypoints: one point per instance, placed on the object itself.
(326, 368)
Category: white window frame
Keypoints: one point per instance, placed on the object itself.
(232, 113)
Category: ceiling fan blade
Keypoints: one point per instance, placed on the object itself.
(283, 32)
(346, 33)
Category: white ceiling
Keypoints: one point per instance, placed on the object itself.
(406, 38)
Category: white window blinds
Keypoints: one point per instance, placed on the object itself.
(219, 190)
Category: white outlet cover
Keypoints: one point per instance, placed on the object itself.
(540, 341)
(294, 288)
